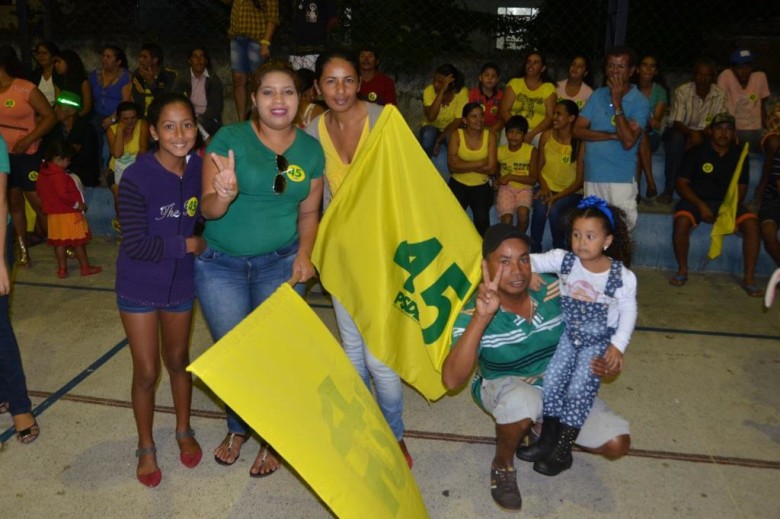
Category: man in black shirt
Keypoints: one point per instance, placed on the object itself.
(702, 184)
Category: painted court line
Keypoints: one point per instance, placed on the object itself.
(61, 392)
(650, 329)
(445, 437)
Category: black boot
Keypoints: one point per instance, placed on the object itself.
(560, 458)
(544, 445)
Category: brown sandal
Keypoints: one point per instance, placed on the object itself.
(228, 442)
(263, 457)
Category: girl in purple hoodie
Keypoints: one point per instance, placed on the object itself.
(158, 210)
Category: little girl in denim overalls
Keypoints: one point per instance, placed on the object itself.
(598, 300)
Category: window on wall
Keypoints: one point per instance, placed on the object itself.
(513, 19)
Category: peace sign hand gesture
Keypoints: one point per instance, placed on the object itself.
(488, 299)
(225, 183)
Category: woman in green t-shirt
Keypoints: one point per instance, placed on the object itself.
(262, 187)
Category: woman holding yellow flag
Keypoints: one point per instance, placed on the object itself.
(262, 189)
(342, 130)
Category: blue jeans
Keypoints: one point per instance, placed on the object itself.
(386, 381)
(557, 219)
(230, 287)
(428, 135)
(245, 54)
(13, 386)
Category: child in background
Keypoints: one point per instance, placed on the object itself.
(517, 174)
(578, 85)
(487, 94)
(598, 301)
(63, 204)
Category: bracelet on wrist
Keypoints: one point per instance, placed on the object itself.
(618, 111)
(267, 43)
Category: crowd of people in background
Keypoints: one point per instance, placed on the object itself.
(534, 149)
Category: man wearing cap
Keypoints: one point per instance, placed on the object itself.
(611, 125)
(80, 134)
(510, 334)
(746, 90)
(702, 184)
(695, 104)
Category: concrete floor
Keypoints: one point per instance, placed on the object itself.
(700, 388)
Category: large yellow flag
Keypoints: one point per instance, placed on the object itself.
(398, 251)
(726, 221)
(312, 406)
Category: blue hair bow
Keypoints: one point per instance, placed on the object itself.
(600, 204)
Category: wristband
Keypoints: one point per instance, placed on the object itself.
(265, 42)
(618, 111)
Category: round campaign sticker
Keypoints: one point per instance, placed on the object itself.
(32, 175)
(9, 103)
(191, 206)
(372, 96)
(566, 159)
(707, 167)
(753, 98)
(494, 110)
(612, 120)
(295, 173)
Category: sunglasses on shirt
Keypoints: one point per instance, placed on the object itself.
(280, 181)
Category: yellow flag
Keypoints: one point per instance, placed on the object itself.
(398, 251)
(726, 221)
(311, 405)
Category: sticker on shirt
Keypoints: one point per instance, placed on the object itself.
(295, 173)
(612, 120)
(583, 291)
(372, 97)
(753, 97)
(565, 159)
(9, 103)
(32, 175)
(191, 206)
(707, 167)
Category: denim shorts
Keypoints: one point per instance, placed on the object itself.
(134, 308)
(244, 54)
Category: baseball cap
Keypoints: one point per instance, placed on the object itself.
(724, 118)
(68, 98)
(741, 57)
(498, 233)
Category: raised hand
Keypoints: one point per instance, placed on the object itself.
(488, 300)
(225, 183)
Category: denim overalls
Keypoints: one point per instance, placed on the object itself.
(569, 386)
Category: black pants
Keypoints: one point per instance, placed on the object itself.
(478, 198)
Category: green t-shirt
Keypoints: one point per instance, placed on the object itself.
(260, 221)
(511, 346)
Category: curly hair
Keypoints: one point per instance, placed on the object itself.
(622, 246)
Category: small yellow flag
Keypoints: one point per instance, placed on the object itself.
(310, 404)
(399, 252)
(726, 221)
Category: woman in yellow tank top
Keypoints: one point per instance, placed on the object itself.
(560, 180)
(471, 155)
(128, 137)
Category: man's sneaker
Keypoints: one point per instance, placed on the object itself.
(503, 488)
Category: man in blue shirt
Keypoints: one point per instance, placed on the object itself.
(611, 125)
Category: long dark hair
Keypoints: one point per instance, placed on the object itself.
(448, 69)
(9, 62)
(572, 109)
(76, 74)
(545, 75)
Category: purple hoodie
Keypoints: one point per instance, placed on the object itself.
(158, 211)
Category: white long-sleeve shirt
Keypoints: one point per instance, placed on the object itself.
(585, 285)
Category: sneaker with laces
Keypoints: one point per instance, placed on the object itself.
(504, 489)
